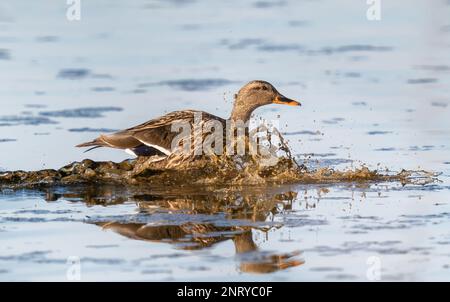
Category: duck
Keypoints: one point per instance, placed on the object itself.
(154, 137)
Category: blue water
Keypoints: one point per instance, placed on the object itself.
(373, 92)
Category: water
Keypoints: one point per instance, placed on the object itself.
(373, 93)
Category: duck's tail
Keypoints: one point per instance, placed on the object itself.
(96, 143)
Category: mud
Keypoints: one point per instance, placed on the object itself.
(201, 171)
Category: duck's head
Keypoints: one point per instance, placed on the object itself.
(256, 94)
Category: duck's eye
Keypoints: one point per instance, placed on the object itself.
(264, 88)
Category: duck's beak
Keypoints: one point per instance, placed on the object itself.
(281, 99)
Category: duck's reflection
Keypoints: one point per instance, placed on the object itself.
(196, 236)
(212, 218)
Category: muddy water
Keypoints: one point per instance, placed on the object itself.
(373, 93)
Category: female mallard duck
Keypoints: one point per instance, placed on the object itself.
(155, 136)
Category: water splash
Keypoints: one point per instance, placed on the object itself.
(212, 170)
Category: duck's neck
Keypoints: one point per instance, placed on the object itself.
(237, 115)
(241, 113)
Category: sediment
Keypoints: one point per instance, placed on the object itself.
(200, 171)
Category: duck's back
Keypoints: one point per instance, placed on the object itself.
(155, 136)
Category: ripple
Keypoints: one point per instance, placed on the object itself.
(243, 43)
(298, 23)
(386, 149)
(269, 4)
(102, 246)
(379, 247)
(421, 148)
(156, 271)
(303, 132)
(105, 261)
(377, 132)
(351, 48)
(443, 215)
(36, 219)
(180, 219)
(333, 121)
(5, 54)
(47, 39)
(269, 47)
(439, 104)
(341, 277)
(73, 73)
(35, 106)
(87, 129)
(138, 91)
(433, 67)
(352, 75)
(422, 81)
(7, 140)
(35, 256)
(85, 112)
(325, 269)
(103, 89)
(179, 2)
(191, 26)
(261, 45)
(192, 84)
(45, 212)
(296, 221)
(14, 120)
(445, 29)
(317, 154)
(359, 217)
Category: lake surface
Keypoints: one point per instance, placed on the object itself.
(374, 93)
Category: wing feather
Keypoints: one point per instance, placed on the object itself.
(156, 133)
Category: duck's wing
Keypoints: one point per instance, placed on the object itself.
(160, 133)
(120, 140)
(156, 133)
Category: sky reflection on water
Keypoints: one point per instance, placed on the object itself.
(373, 93)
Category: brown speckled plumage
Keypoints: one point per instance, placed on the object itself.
(155, 137)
